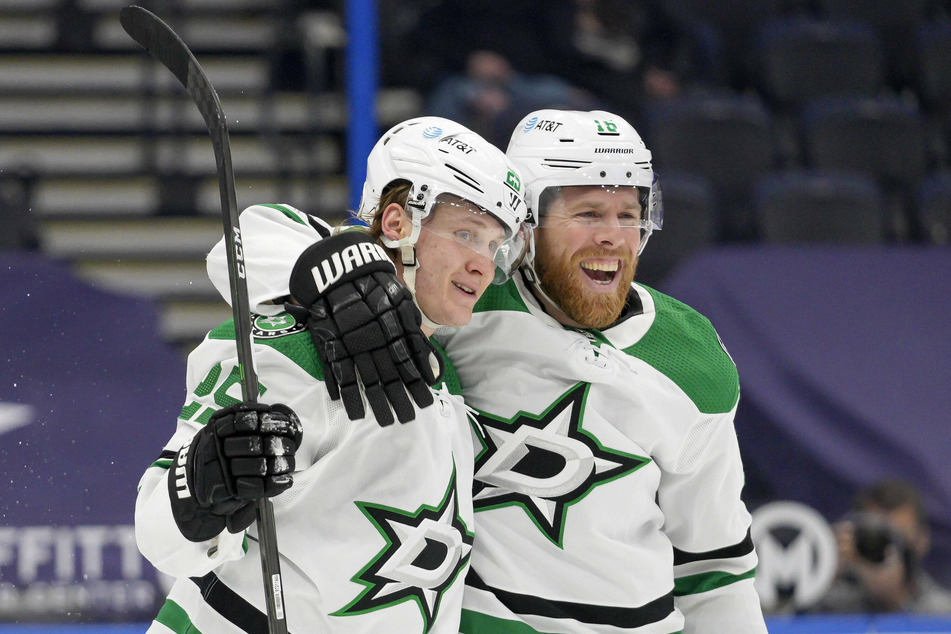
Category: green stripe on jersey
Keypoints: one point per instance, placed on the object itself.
(704, 582)
(291, 213)
(297, 347)
(476, 623)
(205, 416)
(683, 345)
(176, 619)
(473, 622)
(449, 375)
(189, 410)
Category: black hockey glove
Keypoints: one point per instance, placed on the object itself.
(365, 327)
(244, 453)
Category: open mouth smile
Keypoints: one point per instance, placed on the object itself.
(602, 272)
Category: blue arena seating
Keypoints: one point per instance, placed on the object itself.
(814, 206)
(895, 22)
(933, 67)
(726, 138)
(802, 58)
(882, 137)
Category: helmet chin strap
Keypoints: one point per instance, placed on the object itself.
(535, 285)
(407, 249)
(410, 266)
(528, 270)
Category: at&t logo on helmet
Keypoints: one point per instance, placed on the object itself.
(544, 125)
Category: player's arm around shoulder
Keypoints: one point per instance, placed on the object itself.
(272, 238)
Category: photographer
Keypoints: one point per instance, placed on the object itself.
(881, 546)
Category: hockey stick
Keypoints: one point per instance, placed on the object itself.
(162, 43)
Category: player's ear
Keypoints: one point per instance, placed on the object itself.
(394, 224)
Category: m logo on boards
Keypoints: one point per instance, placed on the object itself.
(797, 554)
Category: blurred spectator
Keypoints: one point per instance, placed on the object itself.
(620, 52)
(630, 51)
(435, 38)
(882, 544)
(491, 97)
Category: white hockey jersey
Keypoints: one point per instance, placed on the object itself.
(607, 489)
(375, 534)
(607, 483)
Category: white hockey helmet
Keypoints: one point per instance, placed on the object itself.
(439, 156)
(564, 148)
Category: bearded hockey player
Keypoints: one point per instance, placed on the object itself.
(608, 482)
(374, 519)
(608, 479)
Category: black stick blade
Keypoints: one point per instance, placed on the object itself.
(163, 44)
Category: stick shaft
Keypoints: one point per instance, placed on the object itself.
(165, 45)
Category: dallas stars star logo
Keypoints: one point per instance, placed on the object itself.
(424, 554)
(545, 463)
(264, 327)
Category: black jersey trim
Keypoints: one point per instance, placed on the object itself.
(633, 306)
(318, 226)
(231, 605)
(745, 547)
(652, 612)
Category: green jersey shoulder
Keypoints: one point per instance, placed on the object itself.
(284, 334)
(683, 345)
(289, 336)
(676, 340)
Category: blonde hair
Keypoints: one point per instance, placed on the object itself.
(396, 192)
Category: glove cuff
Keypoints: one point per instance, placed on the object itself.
(335, 260)
(197, 524)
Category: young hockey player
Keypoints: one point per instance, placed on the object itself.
(374, 521)
(608, 480)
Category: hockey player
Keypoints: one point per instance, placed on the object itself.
(608, 480)
(374, 521)
(608, 484)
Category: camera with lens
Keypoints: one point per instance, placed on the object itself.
(873, 536)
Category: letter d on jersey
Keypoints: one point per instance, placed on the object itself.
(797, 554)
(411, 566)
(574, 460)
(331, 269)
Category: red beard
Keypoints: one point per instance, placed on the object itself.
(562, 283)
